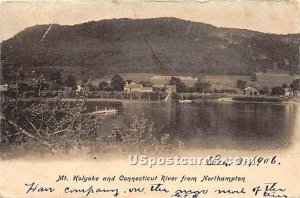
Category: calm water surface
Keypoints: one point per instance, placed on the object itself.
(211, 125)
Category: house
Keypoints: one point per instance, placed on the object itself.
(147, 89)
(3, 87)
(132, 87)
(78, 89)
(251, 91)
(135, 87)
(296, 93)
(288, 92)
(170, 89)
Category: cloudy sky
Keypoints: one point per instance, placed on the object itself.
(278, 16)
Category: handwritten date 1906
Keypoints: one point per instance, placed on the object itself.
(218, 160)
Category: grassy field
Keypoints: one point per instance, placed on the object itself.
(263, 80)
(220, 82)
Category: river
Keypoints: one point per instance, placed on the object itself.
(253, 126)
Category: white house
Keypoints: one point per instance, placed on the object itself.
(4, 87)
(135, 87)
(251, 91)
(288, 92)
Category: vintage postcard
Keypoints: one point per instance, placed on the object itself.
(150, 98)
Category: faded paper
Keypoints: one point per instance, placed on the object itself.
(43, 166)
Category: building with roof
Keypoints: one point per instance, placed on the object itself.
(251, 91)
(170, 89)
(3, 87)
(135, 87)
(288, 92)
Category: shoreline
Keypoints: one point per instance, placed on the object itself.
(197, 101)
(224, 99)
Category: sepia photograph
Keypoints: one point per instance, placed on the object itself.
(102, 81)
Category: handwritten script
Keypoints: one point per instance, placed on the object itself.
(158, 185)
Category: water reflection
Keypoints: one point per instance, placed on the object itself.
(213, 125)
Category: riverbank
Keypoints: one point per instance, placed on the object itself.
(205, 100)
(184, 96)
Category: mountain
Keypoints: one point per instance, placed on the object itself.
(159, 45)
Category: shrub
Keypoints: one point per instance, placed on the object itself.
(241, 84)
(278, 91)
(62, 126)
(56, 125)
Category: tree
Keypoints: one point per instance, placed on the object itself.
(146, 83)
(90, 87)
(180, 86)
(56, 86)
(71, 81)
(264, 90)
(253, 77)
(241, 84)
(11, 74)
(40, 84)
(23, 87)
(86, 85)
(117, 83)
(54, 78)
(55, 75)
(278, 91)
(202, 86)
(54, 124)
(284, 86)
(295, 85)
(103, 86)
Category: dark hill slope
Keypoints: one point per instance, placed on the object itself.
(160, 45)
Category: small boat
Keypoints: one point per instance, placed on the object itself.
(105, 111)
(225, 100)
(185, 101)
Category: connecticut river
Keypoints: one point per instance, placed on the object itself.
(211, 125)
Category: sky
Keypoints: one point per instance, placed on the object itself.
(278, 16)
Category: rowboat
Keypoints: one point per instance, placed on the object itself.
(105, 111)
(185, 101)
